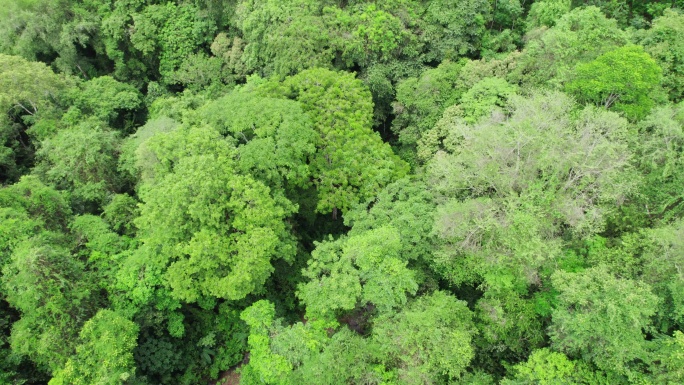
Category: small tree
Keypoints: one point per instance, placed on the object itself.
(622, 79)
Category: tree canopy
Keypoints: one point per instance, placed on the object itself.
(328, 192)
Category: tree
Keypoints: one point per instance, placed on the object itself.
(659, 252)
(484, 97)
(361, 270)
(55, 31)
(136, 160)
(168, 34)
(421, 101)
(33, 207)
(283, 38)
(406, 205)
(662, 42)
(104, 99)
(659, 153)
(669, 359)
(305, 353)
(29, 91)
(104, 354)
(543, 367)
(546, 13)
(451, 30)
(48, 285)
(265, 366)
(366, 33)
(273, 137)
(213, 231)
(509, 189)
(428, 339)
(622, 79)
(601, 318)
(579, 36)
(351, 163)
(81, 160)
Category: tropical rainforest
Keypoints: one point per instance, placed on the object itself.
(388, 192)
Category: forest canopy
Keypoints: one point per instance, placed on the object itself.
(396, 192)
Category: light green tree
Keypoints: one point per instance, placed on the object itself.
(543, 367)
(105, 99)
(421, 101)
(29, 91)
(81, 160)
(351, 163)
(428, 339)
(50, 288)
(663, 41)
(550, 55)
(546, 13)
(104, 354)
(274, 138)
(622, 79)
(168, 34)
(357, 271)
(602, 319)
(283, 38)
(212, 230)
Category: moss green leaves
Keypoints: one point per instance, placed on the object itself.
(428, 339)
(360, 270)
(217, 230)
(104, 354)
(351, 163)
(602, 318)
(622, 79)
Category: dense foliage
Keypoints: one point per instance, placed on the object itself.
(341, 192)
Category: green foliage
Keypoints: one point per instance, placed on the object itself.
(351, 163)
(544, 367)
(661, 253)
(283, 38)
(370, 32)
(622, 79)
(28, 87)
(347, 358)
(421, 101)
(663, 43)
(546, 13)
(670, 358)
(30, 90)
(120, 212)
(105, 99)
(48, 286)
(451, 30)
(46, 206)
(53, 30)
(81, 160)
(579, 36)
(406, 205)
(601, 318)
(216, 230)
(199, 71)
(170, 33)
(360, 270)
(484, 97)
(511, 188)
(265, 365)
(428, 339)
(137, 160)
(274, 138)
(659, 155)
(104, 354)
(169, 168)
